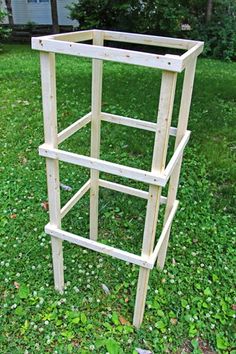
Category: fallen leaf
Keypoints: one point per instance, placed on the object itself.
(44, 205)
(123, 321)
(13, 216)
(126, 299)
(16, 285)
(234, 307)
(173, 321)
(163, 280)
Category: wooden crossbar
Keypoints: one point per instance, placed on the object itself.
(73, 128)
(149, 40)
(177, 155)
(66, 44)
(123, 189)
(111, 118)
(127, 190)
(101, 165)
(109, 185)
(164, 232)
(132, 122)
(81, 192)
(117, 169)
(97, 246)
(110, 54)
(78, 36)
(146, 262)
(192, 54)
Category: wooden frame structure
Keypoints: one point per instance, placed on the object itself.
(159, 175)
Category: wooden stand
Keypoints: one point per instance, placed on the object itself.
(159, 175)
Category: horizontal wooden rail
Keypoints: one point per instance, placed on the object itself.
(177, 154)
(149, 40)
(117, 169)
(164, 232)
(105, 53)
(78, 36)
(123, 189)
(147, 262)
(132, 122)
(81, 192)
(167, 42)
(73, 128)
(101, 165)
(127, 190)
(65, 43)
(192, 53)
(99, 247)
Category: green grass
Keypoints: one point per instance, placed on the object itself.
(192, 300)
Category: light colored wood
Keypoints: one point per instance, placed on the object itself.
(166, 102)
(73, 128)
(123, 189)
(81, 192)
(177, 155)
(159, 175)
(132, 122)
(99, 247)
(149, 40)
(127, 190)
(191, 55)
(105, 53)
(97, 67)
(164, 232)
(48, 78)
(78, 36)
(181, 131)
(167, 42)
(104, 166)
(64, 43)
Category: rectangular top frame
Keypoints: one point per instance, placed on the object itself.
(67, 43)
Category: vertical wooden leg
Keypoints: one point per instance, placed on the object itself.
(54, 213)
(48, 78)
(181, 129)
(58, 268)
(95, 136)
(148, 242)
(141, 296)
(158, 164)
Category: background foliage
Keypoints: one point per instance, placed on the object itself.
(4, 32)
(165, 17)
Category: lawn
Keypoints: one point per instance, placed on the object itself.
(191, 304)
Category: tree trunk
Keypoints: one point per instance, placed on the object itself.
(209, 10)
(9, 13)
(55, 26)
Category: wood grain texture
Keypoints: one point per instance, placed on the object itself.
(97, 67)
(181, 131)
(166, 102)
(48, 78)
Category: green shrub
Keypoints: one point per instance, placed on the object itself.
(4, 32)
(165, 18)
